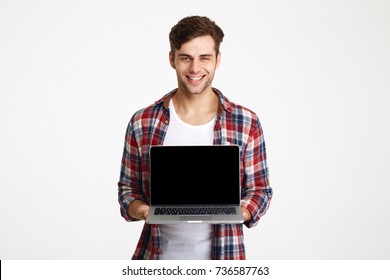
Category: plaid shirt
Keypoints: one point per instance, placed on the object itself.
(234, 125)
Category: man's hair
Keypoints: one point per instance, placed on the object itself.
(191, 27)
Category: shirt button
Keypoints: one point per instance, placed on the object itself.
(166, 122)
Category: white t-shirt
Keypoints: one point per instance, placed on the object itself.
(187, 241)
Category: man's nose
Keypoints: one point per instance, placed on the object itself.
(195, 66)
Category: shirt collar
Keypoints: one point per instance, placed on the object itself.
(224, 103)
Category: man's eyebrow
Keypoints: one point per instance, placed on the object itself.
(188, 55)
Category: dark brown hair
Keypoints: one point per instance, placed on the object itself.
(191, 27)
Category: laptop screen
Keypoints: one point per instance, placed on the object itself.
(195, 175)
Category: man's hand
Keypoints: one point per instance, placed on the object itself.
(138, 210)
(246, 214)
(143, 212)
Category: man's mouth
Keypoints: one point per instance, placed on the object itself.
(195, 78)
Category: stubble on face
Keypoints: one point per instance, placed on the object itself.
(190, 88)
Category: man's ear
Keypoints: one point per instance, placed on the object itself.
(172, 60)
(218, 58)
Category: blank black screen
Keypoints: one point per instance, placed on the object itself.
(194, 175)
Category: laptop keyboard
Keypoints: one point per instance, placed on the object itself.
(195, 211)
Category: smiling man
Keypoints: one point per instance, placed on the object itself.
(194, 113)
(195, 64)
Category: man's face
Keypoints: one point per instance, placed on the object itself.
(195, 64)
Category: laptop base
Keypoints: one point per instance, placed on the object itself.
(185, 219)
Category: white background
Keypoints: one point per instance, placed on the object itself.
(316, 72)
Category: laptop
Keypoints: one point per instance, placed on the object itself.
(195, 184)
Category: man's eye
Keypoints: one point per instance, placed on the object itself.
(185, 58)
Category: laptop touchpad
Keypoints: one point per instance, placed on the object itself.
(195, 218)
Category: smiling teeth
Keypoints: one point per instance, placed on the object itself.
(195, 78)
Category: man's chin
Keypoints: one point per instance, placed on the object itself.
(194, 90)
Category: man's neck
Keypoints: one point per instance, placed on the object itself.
(196, 109)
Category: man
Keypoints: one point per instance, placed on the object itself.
(193, 114)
